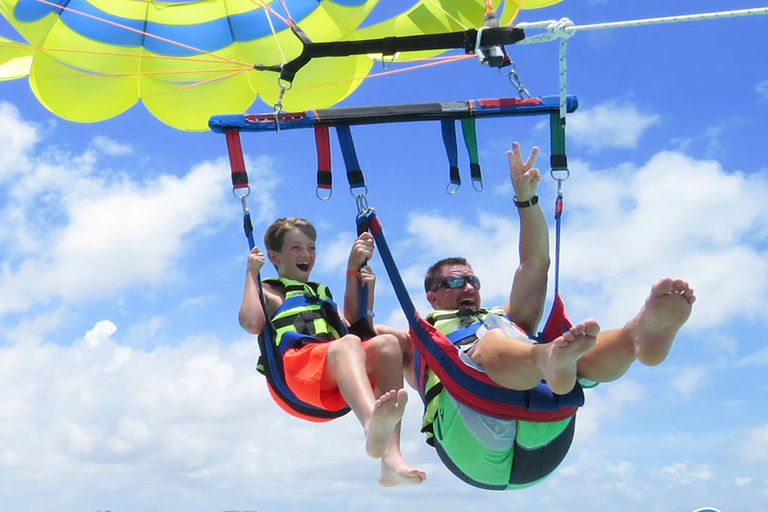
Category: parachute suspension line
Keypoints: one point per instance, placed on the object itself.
(265, 5)
(287, 13)
(117, 54)
(142, 32)
(274, 34)
(195, 84)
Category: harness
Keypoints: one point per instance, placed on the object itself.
(459, 327)
(308, 314)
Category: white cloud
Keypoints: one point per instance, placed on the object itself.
(691, 380)
(612, 124)
(605, 404)
(762, 91)
(673, 216)
(110, 147)
(79, 232)
(754, 447)
(16, 138)
(685, 473)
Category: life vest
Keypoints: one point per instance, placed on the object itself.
(308, 314)
(460, 328)
(308, 311)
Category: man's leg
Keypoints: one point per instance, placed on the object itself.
(647, 337)
(518, 365)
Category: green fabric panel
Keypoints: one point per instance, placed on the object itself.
(533, 435)
(474, 459)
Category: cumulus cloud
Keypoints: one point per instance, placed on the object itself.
(625, 228)
(110, 146)
(762, 91)
(691, 380)
(193, 421)
(754, 447)
(672, 216)
(613, 124)
(82, 232)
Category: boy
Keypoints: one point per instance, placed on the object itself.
(329, 370)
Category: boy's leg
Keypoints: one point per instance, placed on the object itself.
(647, 337)
(385, 365)
(518, 365)
(349, 366)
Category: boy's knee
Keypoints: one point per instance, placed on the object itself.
(347, 345)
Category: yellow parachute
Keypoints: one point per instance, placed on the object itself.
(90, 60)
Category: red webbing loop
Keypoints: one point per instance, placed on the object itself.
(323, 144)
(236, 160)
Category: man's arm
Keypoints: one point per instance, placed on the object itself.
(529, 287)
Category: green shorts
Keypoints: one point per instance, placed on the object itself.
(497, 454)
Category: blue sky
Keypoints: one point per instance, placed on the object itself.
(128, 385)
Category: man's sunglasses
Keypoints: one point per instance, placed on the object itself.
(454, 282)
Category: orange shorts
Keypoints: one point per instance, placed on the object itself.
(304, 369)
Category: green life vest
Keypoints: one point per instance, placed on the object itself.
(308, 309)
(448, 322)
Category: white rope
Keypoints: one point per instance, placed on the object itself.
(565, 27)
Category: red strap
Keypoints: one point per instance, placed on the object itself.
(323, 143)
(236, 161)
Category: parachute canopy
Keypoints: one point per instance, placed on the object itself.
(90, 60)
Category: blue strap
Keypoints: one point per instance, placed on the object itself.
(448, 127)
(354, 174)
(356, 180)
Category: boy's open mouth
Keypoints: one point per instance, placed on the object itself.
(304, 267)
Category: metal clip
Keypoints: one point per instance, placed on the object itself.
(361, 200)
(560, 178)
(278, 107)
(514, 79)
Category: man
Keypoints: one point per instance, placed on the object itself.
(495, 453)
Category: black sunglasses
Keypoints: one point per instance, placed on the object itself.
(454, 282)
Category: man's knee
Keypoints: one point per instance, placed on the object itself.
(384, 346)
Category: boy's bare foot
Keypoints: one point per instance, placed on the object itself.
(387, 411)
(395, 471)
(666, 310)
(559, 357)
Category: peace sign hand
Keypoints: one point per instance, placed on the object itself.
(525, 177)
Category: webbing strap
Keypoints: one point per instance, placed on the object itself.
(448, 128)
(236, 160)
(557, 159)
(354, 174)
(469, 130)
(323, 144)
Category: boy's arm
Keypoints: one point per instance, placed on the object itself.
(359, 274)
(252, 316)
(529, 287)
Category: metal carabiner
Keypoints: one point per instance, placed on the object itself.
(278, 107)
(514, 79)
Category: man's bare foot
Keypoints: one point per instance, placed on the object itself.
(395, 471)
(387, 411)
(559, 357)
(666, 310)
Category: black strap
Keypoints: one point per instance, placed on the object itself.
(491, 36)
